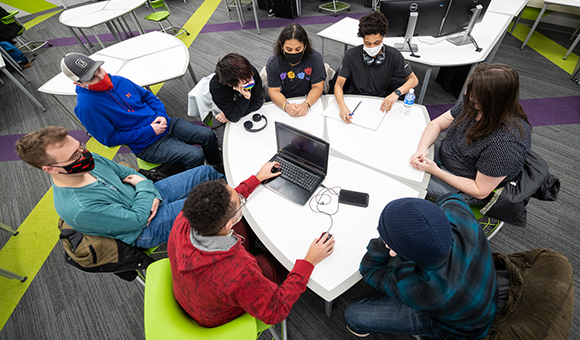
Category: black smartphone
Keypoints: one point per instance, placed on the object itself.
(360, 199)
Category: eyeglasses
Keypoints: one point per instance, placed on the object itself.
(242, 203)
(75, 156)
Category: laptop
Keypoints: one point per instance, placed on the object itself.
(303, 159)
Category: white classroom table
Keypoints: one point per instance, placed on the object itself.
(286, 228)
(17, 83)
(433, 52)
(91, 15)
(137, 59)
(570, 3)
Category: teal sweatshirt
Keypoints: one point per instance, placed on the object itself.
(107, 207)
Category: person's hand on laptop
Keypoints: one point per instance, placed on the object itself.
(266, 171)
(320, 249)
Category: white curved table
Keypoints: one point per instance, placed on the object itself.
(287, 229)
(137, 59)
(91, 15)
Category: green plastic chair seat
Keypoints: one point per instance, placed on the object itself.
(165, 319)
(158, 16)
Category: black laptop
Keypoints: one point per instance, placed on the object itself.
(303, 159)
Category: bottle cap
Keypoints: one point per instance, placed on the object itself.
(412, 91)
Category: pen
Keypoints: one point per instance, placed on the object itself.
(356, 107)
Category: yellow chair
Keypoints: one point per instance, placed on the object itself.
(164, 15)
(165, 319)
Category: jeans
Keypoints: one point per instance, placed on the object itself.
(174, 191)
(177, 146)
(384, 314)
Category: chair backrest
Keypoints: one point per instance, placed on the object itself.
(200, 102)
(165, 319)
(160, 3)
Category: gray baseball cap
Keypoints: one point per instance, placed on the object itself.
(79, 67)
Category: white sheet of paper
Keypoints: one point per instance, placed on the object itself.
(368, 114)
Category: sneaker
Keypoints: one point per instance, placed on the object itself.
(357, 334)
(271, 12)
(490, 226)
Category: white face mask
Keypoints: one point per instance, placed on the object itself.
(373, 51)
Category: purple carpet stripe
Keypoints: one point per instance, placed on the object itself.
(540, 112)
(107, 37)
(279, 22)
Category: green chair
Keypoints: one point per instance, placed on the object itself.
(165, 319)
(164, 15)
(31, 46)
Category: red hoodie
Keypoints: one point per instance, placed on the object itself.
(215, 287)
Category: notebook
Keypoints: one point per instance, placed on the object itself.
(304, 161)
(368, 114)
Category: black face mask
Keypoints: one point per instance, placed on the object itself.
(293, 58)
(84, 164)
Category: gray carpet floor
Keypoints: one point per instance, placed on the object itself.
(64, 303)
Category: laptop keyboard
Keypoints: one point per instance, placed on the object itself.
(295, 174)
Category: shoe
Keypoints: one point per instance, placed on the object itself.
(357, 334)
(490, 226)
(271, 13)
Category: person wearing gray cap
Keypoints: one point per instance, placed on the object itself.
(433, 267)
(116, 111)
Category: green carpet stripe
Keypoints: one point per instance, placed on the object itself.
(30, 6)
(531, 13)
(547, 48)
(25, 253)
(39, 19)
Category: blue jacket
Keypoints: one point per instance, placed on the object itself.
(459, 292)
(120, 116)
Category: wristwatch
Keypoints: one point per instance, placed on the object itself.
(397, 92)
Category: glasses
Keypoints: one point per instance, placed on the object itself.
(75, 156)
(242, 203)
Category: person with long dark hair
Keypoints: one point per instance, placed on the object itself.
(488, 137)
(295, 69)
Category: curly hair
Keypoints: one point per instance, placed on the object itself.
(495, 87)
(293, 31)
(232, 69)
(208, 207)
(373, 23)
(31, 148)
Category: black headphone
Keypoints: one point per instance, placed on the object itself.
(249, 126)
(379, 60)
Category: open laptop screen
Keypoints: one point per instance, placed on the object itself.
(302, 146)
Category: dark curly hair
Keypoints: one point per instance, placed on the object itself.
(208, 207)
(293, 31)
(232, 69)
(373, 23)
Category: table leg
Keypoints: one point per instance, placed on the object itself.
(534, 26)
(98, 39)
(79, 40)
(464, 88)
(136, 22)
(70, 113)
(186, 84)
(192, 74)
(13, 63)
(256, 16)
(424, 86)
(572, 47)
(576, 69)
(329, 307)
(23, 89)
(517, 21)
(113, 29)
(8, 229)
(10, 275)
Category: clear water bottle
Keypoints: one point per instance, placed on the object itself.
(408, 102)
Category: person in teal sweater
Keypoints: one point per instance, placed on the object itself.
(96, 196)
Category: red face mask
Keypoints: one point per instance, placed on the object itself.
(103, 85)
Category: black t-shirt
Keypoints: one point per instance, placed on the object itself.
(232, 103)
(501, 153)
(295, 81)
(374, 80)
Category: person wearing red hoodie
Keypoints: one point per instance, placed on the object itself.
(215, 278)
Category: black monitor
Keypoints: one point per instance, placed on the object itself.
(459, 13)
(430, 16)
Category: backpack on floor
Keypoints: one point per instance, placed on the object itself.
(16, 54)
